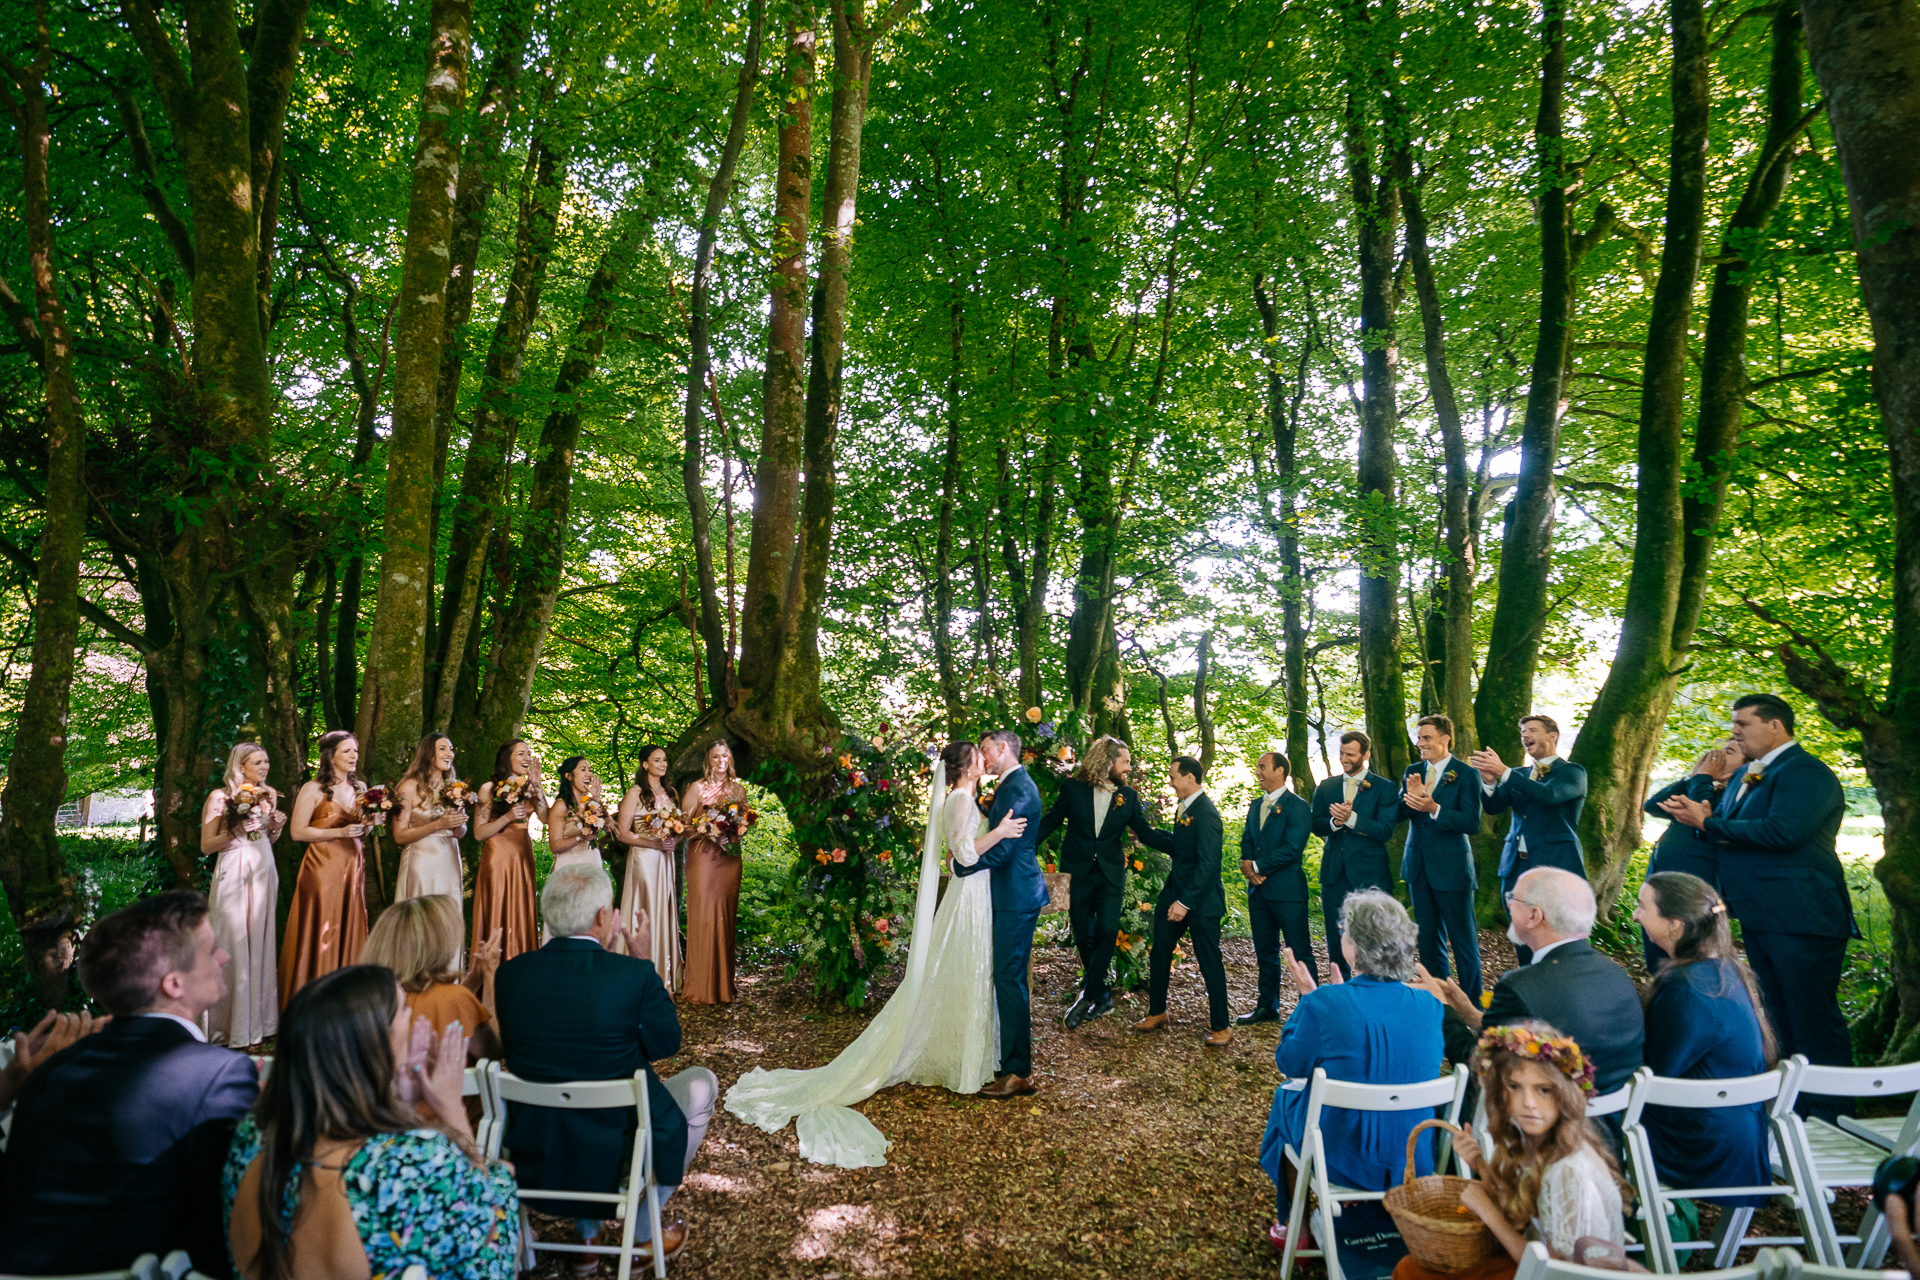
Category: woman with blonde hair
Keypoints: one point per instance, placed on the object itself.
(419, 940)
(238, 825)
(426, 827)
(713, 884)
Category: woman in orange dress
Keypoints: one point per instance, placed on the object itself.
(503, 882)
(649, 825)
(327, 924)
(713, 885)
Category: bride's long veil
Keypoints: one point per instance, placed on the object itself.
(820, 1101)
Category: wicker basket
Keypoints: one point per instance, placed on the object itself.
(1427, 1211)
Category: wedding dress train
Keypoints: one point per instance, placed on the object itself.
(940, 1028)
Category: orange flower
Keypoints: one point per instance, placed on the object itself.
(1139, 865)
(882, 924)
(886, 855)
(839, 855)
(819, 857)
(1033, 715)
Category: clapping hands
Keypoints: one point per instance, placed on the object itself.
(1488, 762)
(1418, 797)
(1302, 972)
(434, 1073)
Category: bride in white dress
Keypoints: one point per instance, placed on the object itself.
(940, 1028)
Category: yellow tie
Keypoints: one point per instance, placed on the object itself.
(1352, 788)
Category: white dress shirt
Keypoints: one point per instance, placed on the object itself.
(1349, 789)
(1761, 765)
(198, 1034)
(1102, 802)
(1541, 954)
(1268, 804)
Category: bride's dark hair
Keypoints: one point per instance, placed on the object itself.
(956, 756)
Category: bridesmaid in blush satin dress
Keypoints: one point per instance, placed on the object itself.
(571, 843)
(503, 881)
(713, 886)
(242, 900)
(648, 909)
(427, 828)
(327, 923)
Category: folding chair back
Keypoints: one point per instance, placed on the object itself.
(637, 1191)
(1795, 1267)
(1607, 1104)
(175, 1266)
(1847, 1154)
(1776, 1090)
(1537, 1264)
(1445, 1093)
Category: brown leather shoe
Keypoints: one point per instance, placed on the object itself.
(673, 1233)
(1152, 1022)
(1009, 1086)
(1219, 1039)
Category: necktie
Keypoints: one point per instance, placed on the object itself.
(1350, 787)
(1539, 772)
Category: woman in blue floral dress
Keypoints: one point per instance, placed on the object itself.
(338, 1174)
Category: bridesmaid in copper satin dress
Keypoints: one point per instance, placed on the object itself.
(503, 881)
(713, 886)
(327, 924)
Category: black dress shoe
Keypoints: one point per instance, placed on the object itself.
(1078, 1014)
(1258, 1015)
(1103, 1008)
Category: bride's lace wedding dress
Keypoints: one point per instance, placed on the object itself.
(940, 1028)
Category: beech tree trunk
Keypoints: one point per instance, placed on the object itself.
(1866, 55)
(1284, 401)
(391, 712)
(45, 901)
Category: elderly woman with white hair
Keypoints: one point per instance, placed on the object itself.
(577, 1009)
(1375, 1029)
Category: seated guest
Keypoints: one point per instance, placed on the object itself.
(117, 1141)
(1548, 1174)
(333, 1176)
(418, 939)
(1705, 1021)
(578, 1010)
(49, 1036)
(1373, 1030)
(1568, 985)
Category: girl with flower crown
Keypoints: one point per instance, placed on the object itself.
(1549, 1175)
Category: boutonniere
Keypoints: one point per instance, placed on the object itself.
(1365, 785)
(1119, 798)
(1540, 772)
(1186, 821)
(1756, 777)
(1447, 777)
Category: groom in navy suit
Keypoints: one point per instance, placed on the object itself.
(1545, 798)
(1019, 891)
(1774, 829)
(1440, 798)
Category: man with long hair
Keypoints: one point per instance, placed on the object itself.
(1097, 808)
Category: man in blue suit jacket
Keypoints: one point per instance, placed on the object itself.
(1354, 815)
(1440, 799)
(1273, 843)
(1545, 798)
(1019, 892)
(1774, 830)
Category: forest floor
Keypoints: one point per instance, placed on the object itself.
(1137, 1157)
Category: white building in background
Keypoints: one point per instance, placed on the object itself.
(106, 808)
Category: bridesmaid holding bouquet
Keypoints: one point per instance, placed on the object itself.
(650, 825)
(717, 816)
(427, 825)
(503, 905)
(578, 819)
(327, 924)
(238, 825)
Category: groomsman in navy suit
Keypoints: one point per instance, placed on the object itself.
(1353, 814)
(1774, 830)
(1440, 799)
(1545, 799)
(1272, 845)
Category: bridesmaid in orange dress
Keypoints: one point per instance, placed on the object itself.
(327, 924)
(713, 886)
(503, 882)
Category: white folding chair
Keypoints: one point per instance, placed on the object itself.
(1447, 1092)
(1537, 1264)
(262, 1063)
(175, 1266)
(473, 1084)
(639, 1188)
(1777, 1089)
(1791, 1266)
(1839, 1156)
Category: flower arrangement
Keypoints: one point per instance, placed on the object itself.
(1559, 1052)
(373, 804)
(985, 795)
(595, 827)
(248, 803)
(727, 825)
(455, 792)
(666, 823)
(513, 790)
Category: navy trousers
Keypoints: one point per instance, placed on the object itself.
(1799, 979)
(1270, 921)
(1446, 916)
(1012, 945)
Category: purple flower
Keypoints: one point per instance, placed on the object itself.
(1045, 730)
(884, 822)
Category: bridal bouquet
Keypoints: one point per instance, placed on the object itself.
(728, 824)
(248, 803)
(455, 792)
(594, 826)
(513, 790)
(661, 824)
(373, 803)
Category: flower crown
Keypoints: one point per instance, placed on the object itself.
(1560, 1052)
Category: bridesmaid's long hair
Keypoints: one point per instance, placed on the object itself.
(323, 771)
(566, 794)
(424, 766)
(235, 779)
(332, 1079)
(644, 780)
